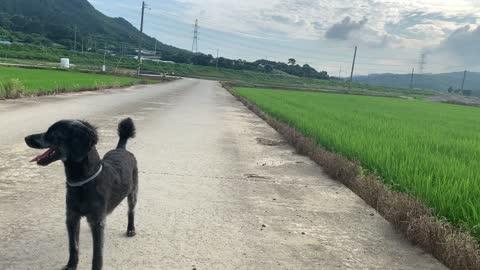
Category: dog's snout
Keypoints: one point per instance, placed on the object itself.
(35, 141)
(29, 141)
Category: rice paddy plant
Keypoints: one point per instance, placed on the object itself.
(16, 81)
(429, 150)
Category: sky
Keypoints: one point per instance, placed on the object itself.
(391, 36)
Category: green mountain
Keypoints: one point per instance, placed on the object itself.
(439, 82)
(57, 23)
(53, 22)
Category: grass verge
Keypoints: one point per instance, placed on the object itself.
(17, 82)
(456, 248)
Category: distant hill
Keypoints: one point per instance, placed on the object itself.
(49, 22)
(439, 82)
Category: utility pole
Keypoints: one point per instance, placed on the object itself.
(140, 41)
(75, 40)
(464, 77)
(82, 45)
(340, 73)
(155, 47)
(104, 67)
(217, 59)
(411, 78)
(353, 64)
(195, 37)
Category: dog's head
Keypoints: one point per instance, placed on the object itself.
(65, 140)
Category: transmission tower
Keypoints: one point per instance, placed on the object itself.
(423, 62)
(195, 37)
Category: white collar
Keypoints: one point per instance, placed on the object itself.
(83, 182)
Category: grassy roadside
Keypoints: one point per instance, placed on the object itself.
(16, 82)
(420, 148)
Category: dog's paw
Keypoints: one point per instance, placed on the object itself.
(131, 233)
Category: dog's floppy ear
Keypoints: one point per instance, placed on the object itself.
(84, 137)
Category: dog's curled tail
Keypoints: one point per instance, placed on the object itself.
(126, 130)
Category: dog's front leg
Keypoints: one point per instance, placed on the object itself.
(97, 225)
(73, 228)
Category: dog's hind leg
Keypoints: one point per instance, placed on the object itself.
(132, 202)
(73, 228)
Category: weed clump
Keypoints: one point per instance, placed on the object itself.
(12, 88)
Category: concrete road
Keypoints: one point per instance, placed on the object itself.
(219, 189)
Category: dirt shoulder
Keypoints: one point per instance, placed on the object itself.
(457, 99)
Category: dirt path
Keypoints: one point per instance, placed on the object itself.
(219, 190)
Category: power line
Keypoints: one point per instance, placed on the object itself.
(175, 33)
(231, 30)
(250, 46)
(176, 15)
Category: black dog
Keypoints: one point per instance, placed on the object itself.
(94, 186)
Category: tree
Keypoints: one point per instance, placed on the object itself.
(450, 89)
(202, 59)
(308, 71)
(292, 61)
(323, 75)
(268, 68)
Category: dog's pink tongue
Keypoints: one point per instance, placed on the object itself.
(42, 156)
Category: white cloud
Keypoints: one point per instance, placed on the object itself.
(397, 29)
(343, 29)
(311, 19)
(459, 48)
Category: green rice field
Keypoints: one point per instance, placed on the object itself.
(15, 81)
(426, 149)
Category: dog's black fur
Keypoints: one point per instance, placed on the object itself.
(74, 142)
